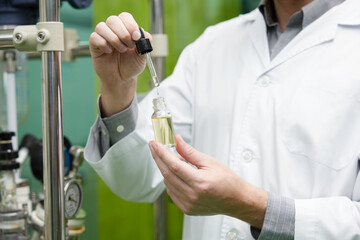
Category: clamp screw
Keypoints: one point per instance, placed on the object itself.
(18, 37)
(41, 36)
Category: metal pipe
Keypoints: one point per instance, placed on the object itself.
(6, 39)
(157, 27)
(53, 145)
(82, 50)
(10, 85)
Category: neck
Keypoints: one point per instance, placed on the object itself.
(286, 8)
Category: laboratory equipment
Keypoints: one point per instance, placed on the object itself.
(160, 45)
(26, 12)
(13, 91)
(162, 123)
(18, 19)
(13, 218)
(73, 197)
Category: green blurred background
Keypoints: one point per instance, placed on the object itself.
(108, 216)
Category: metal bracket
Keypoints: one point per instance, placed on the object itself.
(160, 45)
(71, 42)
(42, 37)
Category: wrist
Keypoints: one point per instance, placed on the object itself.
(251, 203)
(117, 97)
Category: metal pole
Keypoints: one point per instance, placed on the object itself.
(157, 27)
(82, 50)
(6, 39)
(52, 131)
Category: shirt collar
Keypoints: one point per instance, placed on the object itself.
(267, 8)
(306, 15)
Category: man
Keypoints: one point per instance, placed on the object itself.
(269, 102)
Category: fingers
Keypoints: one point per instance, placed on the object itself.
(99, 44)
(124, 27)
(189, 153)
(110, 37)
(131, 25)
(120, 32)
(170, 165)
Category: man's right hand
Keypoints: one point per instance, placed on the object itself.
(116, 61)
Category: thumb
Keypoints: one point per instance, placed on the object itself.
(189, 153)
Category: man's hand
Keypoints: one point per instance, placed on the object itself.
(210, 189)
(116, 61)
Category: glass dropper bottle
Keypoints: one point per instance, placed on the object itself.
(161, 118)
(162, 123)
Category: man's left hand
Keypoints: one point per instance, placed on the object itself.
(211, 189)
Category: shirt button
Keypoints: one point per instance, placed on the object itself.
(264, 81)
(233, 234)
(247, 155)
(103, 131)
(120, 128)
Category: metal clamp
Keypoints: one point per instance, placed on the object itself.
(42, 37)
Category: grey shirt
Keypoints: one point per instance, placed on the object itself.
(298, 21)
(279, 222)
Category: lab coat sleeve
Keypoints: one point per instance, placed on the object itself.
(121, 124)
(329, 218)
(127, 166)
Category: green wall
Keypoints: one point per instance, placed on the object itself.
(185, 20)
(249, 5)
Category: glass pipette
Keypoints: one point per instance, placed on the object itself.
(144, 47)
(152, 70)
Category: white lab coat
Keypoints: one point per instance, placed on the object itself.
(290, 126)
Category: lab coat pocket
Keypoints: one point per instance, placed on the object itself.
(322, 126)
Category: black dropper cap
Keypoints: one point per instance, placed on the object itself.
(143, 46)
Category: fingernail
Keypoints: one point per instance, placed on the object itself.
(136, 35)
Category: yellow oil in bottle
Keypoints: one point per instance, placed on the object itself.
(163, 130)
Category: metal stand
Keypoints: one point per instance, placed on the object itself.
(47, 37)
(157, 27)
(52, 131)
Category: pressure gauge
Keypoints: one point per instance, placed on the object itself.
(73, 198)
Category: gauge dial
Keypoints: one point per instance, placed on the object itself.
(73, 198)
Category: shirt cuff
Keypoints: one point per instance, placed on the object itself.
(279, 222)
(121, 124)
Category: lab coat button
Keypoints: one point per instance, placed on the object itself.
(233, 234)
(247, 155)
(264, 81)
(120, 128)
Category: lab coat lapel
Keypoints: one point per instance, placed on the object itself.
(309, 37)
(258, 35)
(320, 31)
(306, 39)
